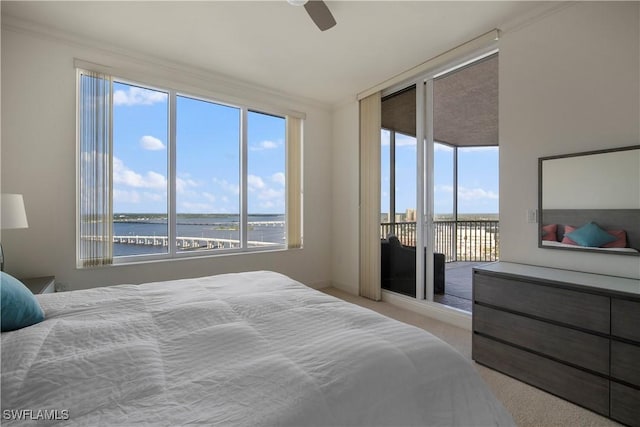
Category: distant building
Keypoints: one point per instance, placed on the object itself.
(410, 215)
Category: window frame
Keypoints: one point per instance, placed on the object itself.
(206, 96)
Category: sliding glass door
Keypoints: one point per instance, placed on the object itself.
(428, 124)
(403, 249)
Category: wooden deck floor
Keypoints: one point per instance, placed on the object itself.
(458, 285)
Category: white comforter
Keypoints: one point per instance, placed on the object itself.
(247, 349)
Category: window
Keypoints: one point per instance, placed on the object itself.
(385, 177)
(265, 179)
(163, 174)
(399, 164)
(139, 171)
(444, 192)
(207, 174)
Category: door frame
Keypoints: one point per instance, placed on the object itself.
(424, 160)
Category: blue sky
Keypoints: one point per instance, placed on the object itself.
(477, 177)
(208, 158)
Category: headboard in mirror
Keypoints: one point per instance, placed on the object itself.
(593, 197)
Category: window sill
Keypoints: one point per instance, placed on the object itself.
(145, 259)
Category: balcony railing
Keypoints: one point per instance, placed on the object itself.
(475, 240)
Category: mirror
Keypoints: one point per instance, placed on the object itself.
(593, 197)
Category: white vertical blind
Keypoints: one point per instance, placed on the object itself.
(95, 206)
(294, 182)
(370, 122)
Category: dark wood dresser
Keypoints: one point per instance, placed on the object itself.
(575, 335)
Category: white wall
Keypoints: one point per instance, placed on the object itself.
(38, 161)
(346, 177)
(568, 83)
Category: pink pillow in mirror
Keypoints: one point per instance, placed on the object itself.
(549, 232)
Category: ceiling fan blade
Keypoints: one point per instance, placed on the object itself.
(320, 14)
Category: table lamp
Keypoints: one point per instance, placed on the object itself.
(12, 215)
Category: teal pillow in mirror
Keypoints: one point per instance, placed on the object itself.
(19, 307)
(590, 235)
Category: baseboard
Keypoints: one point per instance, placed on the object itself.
(320, 284)
(352, 290)
(434, 310)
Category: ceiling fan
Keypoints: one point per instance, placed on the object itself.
(318, 11)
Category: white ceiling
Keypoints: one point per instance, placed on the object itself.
(276, 45)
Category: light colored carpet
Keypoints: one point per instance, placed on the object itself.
(529, 406)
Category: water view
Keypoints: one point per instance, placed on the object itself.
(138, 234)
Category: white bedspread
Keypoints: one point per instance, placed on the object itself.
(248, 349)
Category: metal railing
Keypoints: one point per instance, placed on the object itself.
(404, 231)
(474, 240)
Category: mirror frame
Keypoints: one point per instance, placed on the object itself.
(540, 210)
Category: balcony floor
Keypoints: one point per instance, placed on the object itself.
(458, 285)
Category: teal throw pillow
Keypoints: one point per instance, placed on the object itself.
(19, 307)
(591, 235)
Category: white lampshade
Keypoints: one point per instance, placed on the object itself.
(12, 210)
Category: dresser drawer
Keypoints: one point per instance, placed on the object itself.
(575, 385)
(625, 362)
(625, 404)
(583, 310)
(625, 318)
(568, 345)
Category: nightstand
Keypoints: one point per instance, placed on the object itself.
(40, 285)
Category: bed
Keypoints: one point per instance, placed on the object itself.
(255, 348)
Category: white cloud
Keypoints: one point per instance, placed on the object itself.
(467, 194)
(125, 176)
(155, 197)
(255, 183)
(444, 188)
(125, 196)
(384, 136)
(182, 185)
(154, 180)
(271, 194)
(265, 145)
(205, 202)
(262, 194)
(402, 140)
(278, 178)
(476, 194)
(138, 96)
(268, 145)
(227, 186)
(267, 205)
(210, 197)
(196, 207)
(134, 196)
(151, 143)
(405, 140)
